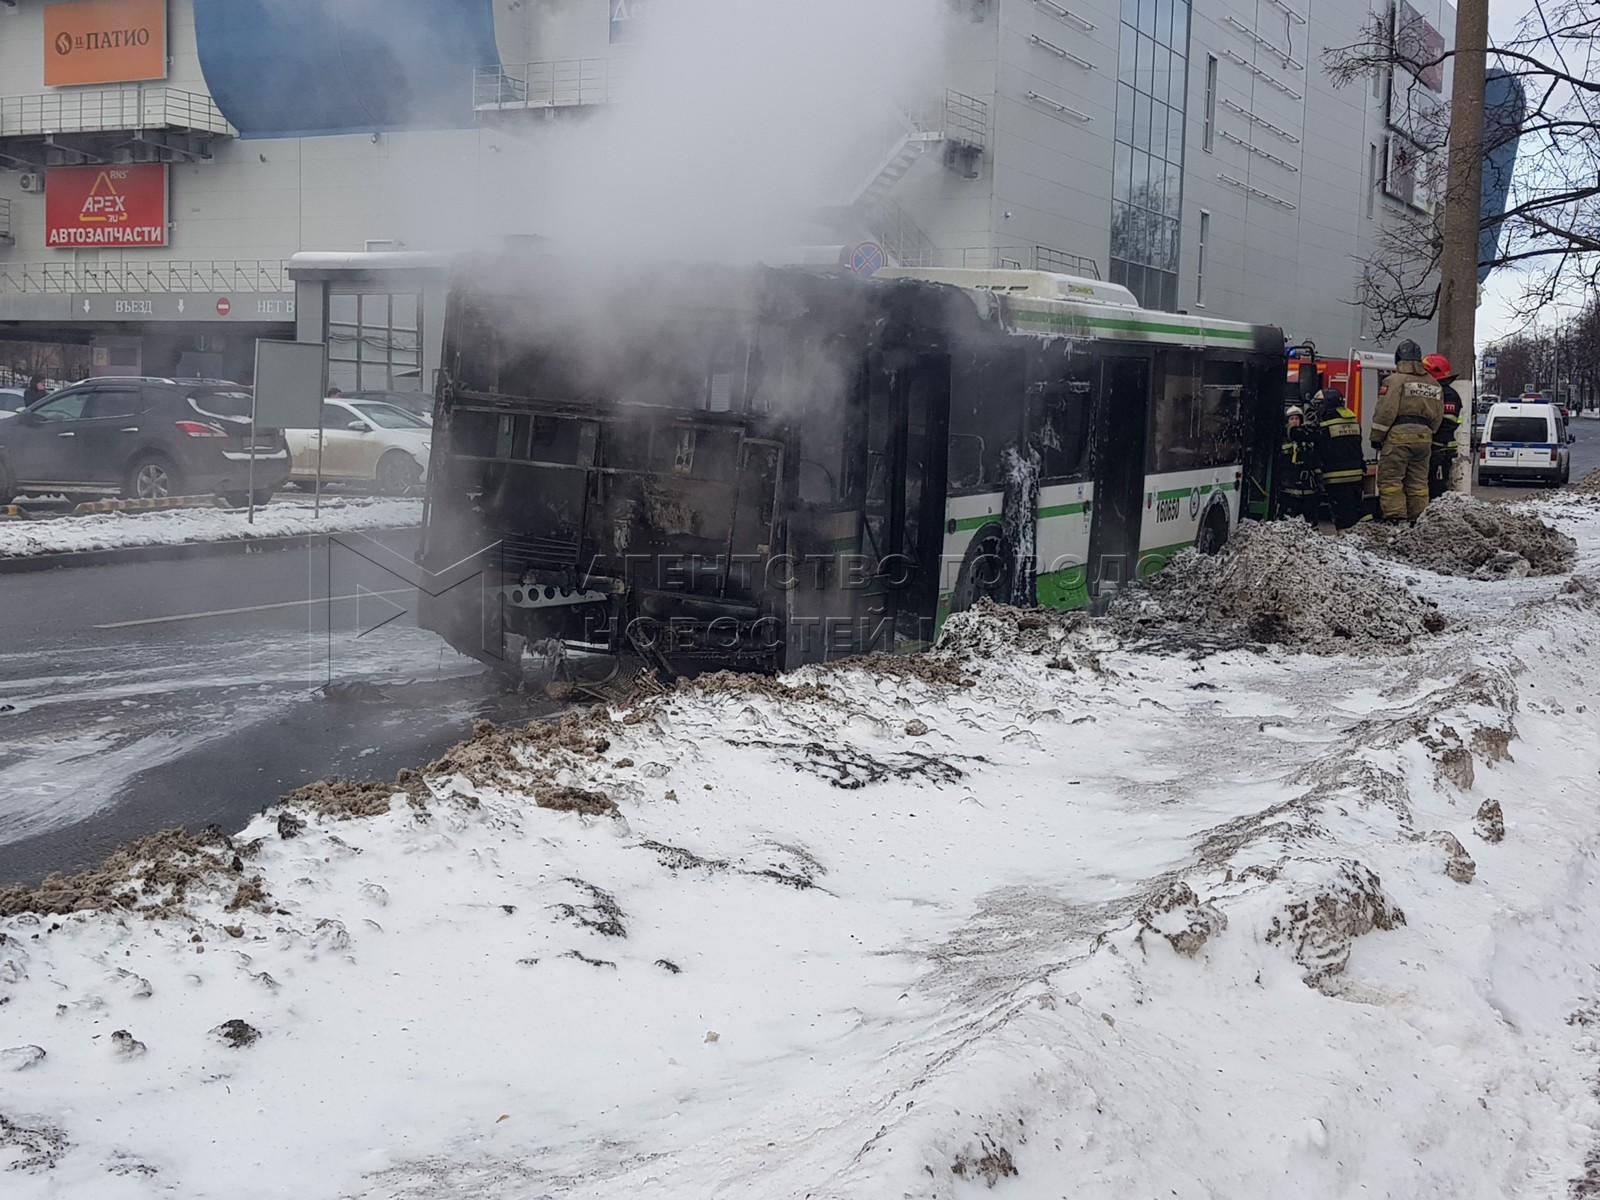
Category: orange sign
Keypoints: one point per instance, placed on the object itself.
(105, 41)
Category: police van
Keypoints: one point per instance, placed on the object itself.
(1524, 440)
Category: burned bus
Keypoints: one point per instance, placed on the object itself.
(760, 468)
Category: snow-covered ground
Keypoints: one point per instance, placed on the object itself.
(1066, 910)
(281, 518)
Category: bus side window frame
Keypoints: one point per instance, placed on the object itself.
(1159, 452)
(997, 436)
(1053, 379)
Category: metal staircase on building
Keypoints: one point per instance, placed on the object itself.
(911, 146)
(902, 238)
(955, 124)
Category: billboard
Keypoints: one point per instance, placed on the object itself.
(1419, 46)
(1418, 108)
(105, 41)
(105, 206)
(1413, 175)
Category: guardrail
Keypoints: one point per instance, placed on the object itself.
(103, 110)
(1021, 258)
(172, 275)
(559, 83)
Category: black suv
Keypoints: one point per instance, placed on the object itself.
(144, 438)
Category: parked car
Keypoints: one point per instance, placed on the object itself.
(1525, 440)
(363, 441)
(11, 402)
(418, 404)
(144, 438)
(1480, 414)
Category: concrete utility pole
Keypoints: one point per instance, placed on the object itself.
(1458, 262)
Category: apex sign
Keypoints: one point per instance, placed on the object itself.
(106, 206)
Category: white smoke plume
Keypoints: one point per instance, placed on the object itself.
(738, 121)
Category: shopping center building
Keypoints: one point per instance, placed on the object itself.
(162, 160)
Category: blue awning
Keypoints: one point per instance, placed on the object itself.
(285, 68)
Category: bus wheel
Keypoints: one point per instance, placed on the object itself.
(985, 571)
(1213, 530)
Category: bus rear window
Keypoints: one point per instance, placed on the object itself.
(1519, 429)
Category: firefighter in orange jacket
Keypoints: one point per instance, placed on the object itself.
(1410, 408)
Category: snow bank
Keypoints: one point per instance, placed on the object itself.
(281, 518)
(1052, 911)
(1459, 535)
(1281, 583)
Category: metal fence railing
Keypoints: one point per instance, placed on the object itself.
(103, 110)
(173, 275)
(1047, 259)
(1021, 258)
(966, 119)
(560, 83)
(954, 116)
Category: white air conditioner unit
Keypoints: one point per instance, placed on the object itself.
(31, 181)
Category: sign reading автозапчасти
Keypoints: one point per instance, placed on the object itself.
(106, 206)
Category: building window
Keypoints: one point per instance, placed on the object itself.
(1200, 271)
(1147, 157)
(1211, 103)
(375, 342)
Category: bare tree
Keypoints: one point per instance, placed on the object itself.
(1550, 232)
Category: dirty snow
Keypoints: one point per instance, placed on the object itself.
(1281, 583)
(1060, 910)
(1460, 535)
(281, 518)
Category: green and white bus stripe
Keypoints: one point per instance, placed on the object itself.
(1070, 322)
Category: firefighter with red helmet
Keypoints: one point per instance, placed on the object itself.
(1442, 461)
(1410, 408)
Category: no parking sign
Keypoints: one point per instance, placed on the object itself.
(865, 259)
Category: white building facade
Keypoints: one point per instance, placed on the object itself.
(1195, 152)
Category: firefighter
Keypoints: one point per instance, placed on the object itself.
(1443, 460)
(1410, 408)
(1297, 469)
(1339, 454)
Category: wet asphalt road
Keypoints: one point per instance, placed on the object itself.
(144, 696)
(148, 695)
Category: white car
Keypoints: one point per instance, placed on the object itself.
(363, 441)
(10, 402)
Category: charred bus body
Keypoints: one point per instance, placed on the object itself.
(760, 468)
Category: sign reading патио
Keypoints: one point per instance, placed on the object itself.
(626, 17)
(106, 206)
(104, 41)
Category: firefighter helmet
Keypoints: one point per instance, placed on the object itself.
(1408, 351)
(1294, 410)
(1438, 366)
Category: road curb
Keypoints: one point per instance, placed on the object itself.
(17, 564)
